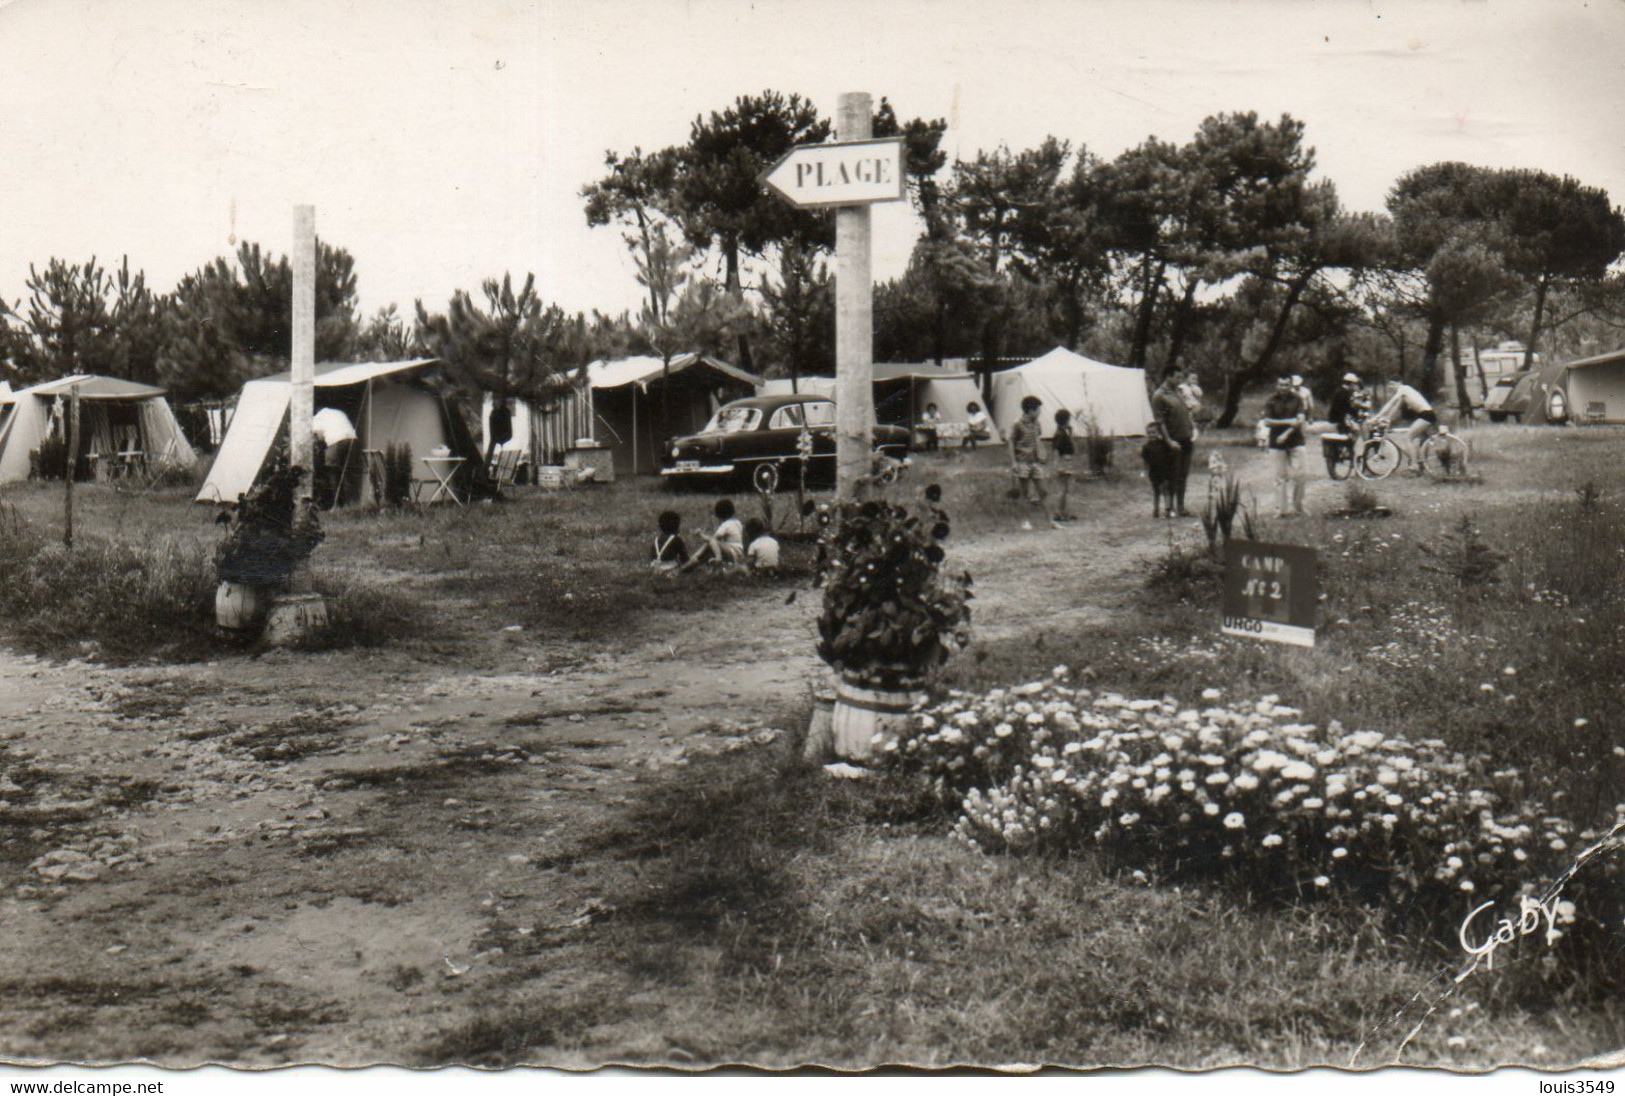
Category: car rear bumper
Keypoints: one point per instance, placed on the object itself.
(702, 470)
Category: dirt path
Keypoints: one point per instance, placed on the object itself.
(327, 857)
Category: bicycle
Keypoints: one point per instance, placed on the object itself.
(1378, 454)
(1451, 451)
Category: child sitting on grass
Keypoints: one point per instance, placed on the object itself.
(670, 552)
(725, 547)
(761, 549)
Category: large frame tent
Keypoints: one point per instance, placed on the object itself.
(389, 403)
(639, 404)
(1114, 396)
(115, 416)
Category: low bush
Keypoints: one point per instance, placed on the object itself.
(118, 599)
(1249, 792)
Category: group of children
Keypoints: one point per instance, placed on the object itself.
(736, 545)
(1027, 458)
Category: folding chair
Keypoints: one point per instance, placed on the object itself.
(504, 467)
(130, 457)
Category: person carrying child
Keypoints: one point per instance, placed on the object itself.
(670, 553)
(726, 546)
(761, 549)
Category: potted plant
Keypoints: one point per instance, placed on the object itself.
(266, 543)
(891, 617)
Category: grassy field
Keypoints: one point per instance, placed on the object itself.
(731, 903)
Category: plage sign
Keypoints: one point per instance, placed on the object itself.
(841, 173)
(1270, 592)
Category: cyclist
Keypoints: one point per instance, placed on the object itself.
(1425, 420)
(1347, 414)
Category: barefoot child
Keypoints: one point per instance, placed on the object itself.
(1027, 458)
(727, 545)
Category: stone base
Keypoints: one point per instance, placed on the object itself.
(294, 617)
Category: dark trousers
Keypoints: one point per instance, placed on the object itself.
(1182, 470)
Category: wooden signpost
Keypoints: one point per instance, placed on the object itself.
(1270, 592)
(849, 175)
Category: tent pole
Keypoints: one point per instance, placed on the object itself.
(634, 429)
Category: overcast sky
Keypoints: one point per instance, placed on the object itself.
(445, 142)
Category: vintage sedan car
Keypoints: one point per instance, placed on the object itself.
(764, 438)
(1509, 399)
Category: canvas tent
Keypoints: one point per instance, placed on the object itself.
(1593, 390)
(1113, 395)
(903, 390)
(114, 416)
(636, 405)
(390, 403)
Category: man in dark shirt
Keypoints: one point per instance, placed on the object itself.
(1286, 419)
(1174, 415)
(498, 429)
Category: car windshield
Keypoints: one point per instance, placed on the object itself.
(731, 420)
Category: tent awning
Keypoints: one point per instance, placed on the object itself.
(93, 387)
(343, 374)
(1599, 359)
(641, 371)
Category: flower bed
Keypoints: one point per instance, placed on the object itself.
(1240, 788)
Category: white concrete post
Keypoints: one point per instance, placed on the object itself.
(854, 320)
(304, 346)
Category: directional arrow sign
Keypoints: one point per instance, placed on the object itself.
(842, 173)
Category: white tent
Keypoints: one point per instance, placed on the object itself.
(387, 402)
(115, 416)
(1113, 395)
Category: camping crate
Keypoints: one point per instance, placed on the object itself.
(553, 477)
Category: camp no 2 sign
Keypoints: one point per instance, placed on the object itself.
(1270, 592)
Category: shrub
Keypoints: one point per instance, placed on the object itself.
(1464, 557)
(890, 615)
(1097, 446)
(1243, 790)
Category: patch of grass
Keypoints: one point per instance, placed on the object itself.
(765, 913)
(494, 1040)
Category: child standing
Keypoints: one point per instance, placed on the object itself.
(1065, 448)
(670, 552)
(1027, 458)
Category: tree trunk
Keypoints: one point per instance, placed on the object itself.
(1464, 401)
(1150, 290)
(1238, 381)
(1540, 315)
(730, 253)
(1429, 381)
(1181, 325)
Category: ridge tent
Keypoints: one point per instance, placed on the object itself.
(115, 416)
(640, 405)
(389, 403)
(1113, 395)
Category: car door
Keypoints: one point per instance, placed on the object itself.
(778, 436)
(819, 415)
